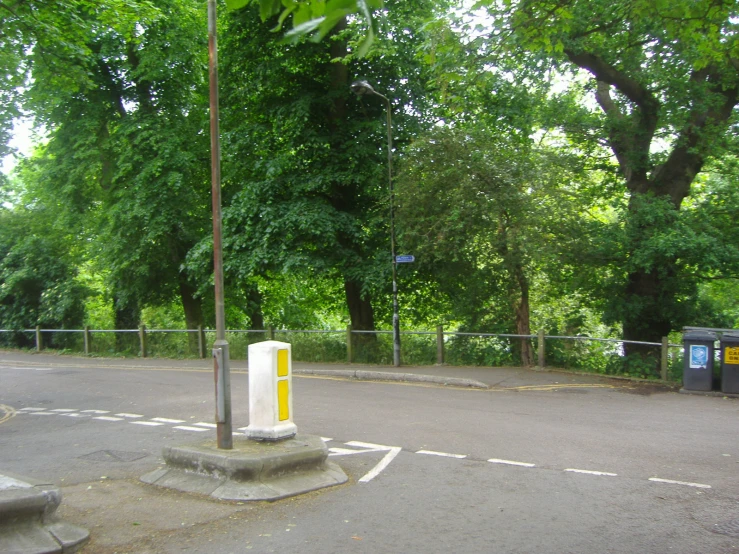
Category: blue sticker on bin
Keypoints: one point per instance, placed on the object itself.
(698, 356)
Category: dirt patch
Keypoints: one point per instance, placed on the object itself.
(644, 388)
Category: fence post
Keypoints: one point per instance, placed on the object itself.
(663, 361)
(142, 339)
(201, 342)
(440, 344)
(270, 333)
(86, 335)
(39, 343)
(348, 344)
(540, 349)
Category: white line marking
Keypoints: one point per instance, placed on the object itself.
(149, 423)
(389, 457)
(108, 418)
(698, 485)
(183, 427)
(347, 451)
(32, 410)
(44, 368)
(369, 445)
(166, 420)
(62, 410)
(326, 439)
(129, 415)
(41, 413)
(75, 415)
(209, 425)
(588, 472)
(7, 483)
(243, 428)
(510, 462)
(94, 411)
(442, 454)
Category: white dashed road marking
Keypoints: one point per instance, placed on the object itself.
(364, 447)
(685, 483)
(186, 427)
(589, 472)
(442, 454)
(510, 462)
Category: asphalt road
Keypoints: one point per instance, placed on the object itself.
(578, 467)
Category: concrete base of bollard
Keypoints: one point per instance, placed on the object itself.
(252, 470)
(28, 524)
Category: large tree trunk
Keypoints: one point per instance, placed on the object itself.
(193, 309)
(254, 308)
(522, 313)
(360, 308)
(649, 295)
(127, 316)
(365, 345)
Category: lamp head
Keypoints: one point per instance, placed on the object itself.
(362, 87)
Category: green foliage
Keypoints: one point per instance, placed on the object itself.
(316, 17)
(304, 168)
(482, 215)
(127, 152)
(38, 284)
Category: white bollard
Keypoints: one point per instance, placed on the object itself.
(270, 391)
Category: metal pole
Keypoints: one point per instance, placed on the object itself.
(664, 358)
(541, 348)
(396, 316)
(360, 88)
(220, 348)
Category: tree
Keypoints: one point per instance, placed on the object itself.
(38, 273)
(664, 75)
(316, 17)
(482, 214)
(304, 169)
(127, 150)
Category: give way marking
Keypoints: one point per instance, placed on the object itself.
(366, 447)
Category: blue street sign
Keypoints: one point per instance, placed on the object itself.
(405, 259)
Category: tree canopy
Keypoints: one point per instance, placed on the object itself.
(567, 164)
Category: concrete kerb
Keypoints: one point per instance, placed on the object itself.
(252, 470)
(28, 523)
(364, 375)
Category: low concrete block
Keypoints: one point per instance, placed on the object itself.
(28, 524)
(252, 470)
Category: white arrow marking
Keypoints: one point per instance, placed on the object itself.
(392, 451)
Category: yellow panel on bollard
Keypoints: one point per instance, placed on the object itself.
(270, 391)
(283, 400)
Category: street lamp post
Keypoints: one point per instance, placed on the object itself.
(221, 359)
(362, 88)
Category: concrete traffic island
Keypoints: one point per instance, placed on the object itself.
(28, 524)
(252, 470)
(273, 462)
